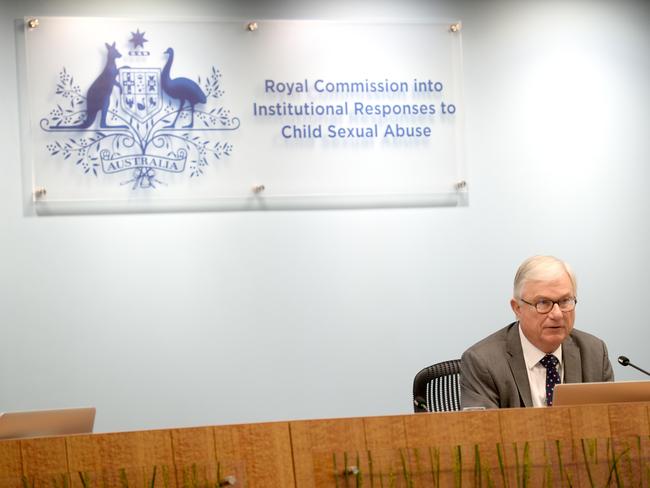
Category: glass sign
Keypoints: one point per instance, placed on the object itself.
(135, 115)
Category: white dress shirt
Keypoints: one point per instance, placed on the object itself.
(536, 371)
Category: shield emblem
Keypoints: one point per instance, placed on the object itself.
(141, 96)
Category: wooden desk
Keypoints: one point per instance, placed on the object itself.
(562, 446)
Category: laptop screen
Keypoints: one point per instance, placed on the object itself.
(610, 392)
(39, 423)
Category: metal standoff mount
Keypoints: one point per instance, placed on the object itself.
(39, 192)
(461, 185)
(33, 23)
(455, 27)
(252, 26)
(257, 189)
(228, 481)
(353, 470)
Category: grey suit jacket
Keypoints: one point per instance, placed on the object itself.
(493, 371)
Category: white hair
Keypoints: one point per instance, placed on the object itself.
(538, 268)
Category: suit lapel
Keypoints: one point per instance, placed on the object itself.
(518, 365)
(572, 361)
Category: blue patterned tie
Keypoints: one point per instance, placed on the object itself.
(550, 362)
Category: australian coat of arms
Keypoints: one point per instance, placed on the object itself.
(139, 122)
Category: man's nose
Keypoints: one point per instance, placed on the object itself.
(555, 311)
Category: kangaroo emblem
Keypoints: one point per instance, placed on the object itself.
(99, 94)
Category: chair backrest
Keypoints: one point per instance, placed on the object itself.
(437, 388)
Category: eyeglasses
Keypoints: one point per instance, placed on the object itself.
(545, 306)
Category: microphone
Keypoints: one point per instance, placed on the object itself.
(624, 361)
(420, 404)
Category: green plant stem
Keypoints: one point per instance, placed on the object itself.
(359, 476)
(517, 465)
(478, 482)
(434, 458)
(336, 471)
(83, 477)
(527, 465)
(405, 470)
(587, 467)
(124, 480)
(458, 467)
(614, 468)
(502, 466)
(418, 465)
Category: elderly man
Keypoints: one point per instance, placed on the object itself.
(519, 365)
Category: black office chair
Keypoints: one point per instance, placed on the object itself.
(437, 388)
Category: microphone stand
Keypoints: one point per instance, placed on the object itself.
(624, 361)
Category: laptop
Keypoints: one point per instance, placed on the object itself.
(610, 392)
(39, 423)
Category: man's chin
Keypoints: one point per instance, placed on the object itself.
(554, 339)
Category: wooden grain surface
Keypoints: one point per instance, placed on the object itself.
(549, 446)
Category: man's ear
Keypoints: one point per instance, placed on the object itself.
(516, 307)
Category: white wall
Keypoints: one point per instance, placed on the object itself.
(207, 318)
